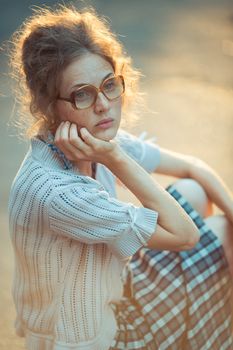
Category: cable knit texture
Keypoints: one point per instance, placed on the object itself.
(71, 239)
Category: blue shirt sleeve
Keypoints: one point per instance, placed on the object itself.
(87, 213)
(145, 153)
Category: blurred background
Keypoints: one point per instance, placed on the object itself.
(184, 49)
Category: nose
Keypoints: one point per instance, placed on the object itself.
(102, 104)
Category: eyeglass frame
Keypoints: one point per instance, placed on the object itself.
(71, 99)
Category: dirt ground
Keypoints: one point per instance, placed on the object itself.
(186, 55)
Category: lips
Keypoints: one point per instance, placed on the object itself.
(104, 121)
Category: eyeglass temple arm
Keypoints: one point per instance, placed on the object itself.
(64, 99)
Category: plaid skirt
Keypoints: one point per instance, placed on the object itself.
(177, 300)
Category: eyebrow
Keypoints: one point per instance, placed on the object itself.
(82, 84)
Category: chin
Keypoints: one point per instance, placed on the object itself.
(106, 135)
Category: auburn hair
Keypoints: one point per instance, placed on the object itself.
(46, 44)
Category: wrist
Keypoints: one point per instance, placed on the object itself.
(115, 157)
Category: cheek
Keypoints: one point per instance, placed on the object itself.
(63, 111)
(68, 113)
(118, 108)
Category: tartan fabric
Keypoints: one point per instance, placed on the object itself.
(177, 301)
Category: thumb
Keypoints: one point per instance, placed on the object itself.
(87, 137)
(93, 141)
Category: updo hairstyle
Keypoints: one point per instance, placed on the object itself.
(45, 45)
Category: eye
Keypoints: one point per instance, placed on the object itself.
(82, 94)
(110, 84)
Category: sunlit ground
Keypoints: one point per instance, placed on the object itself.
(188, 65)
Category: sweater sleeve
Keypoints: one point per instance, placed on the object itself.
(90, 215)
(144, 152)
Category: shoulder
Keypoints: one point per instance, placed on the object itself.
(131, 144)
(143, 151)
(42, 173)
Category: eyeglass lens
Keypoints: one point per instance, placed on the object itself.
(112, 88)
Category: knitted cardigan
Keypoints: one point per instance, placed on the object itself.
(71, 238)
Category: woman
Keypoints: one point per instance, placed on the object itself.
(72, 237)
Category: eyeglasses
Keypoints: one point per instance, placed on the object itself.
(86, 95)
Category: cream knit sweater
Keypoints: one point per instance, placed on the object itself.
(71, 238)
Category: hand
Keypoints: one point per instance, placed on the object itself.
(84, 147)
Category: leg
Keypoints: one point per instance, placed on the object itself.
(209, 287)
(195, 195)
(186, 296)
(223, 229)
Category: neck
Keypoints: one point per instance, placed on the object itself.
(85, 167)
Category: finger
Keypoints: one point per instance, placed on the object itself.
(96, 143)
(64, 133)
(62, 140)
(76, 140)
(73, 150)
(58, 141)
(88, 138)
(58, 133)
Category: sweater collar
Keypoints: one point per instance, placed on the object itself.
(50, 153)
(45, 151)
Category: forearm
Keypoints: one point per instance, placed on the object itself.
(163, 239)
(172, 217)
(214, 186)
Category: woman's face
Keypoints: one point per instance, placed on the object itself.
(90, 69)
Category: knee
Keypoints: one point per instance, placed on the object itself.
(195, 195)
(220, 226)
(223, 229)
